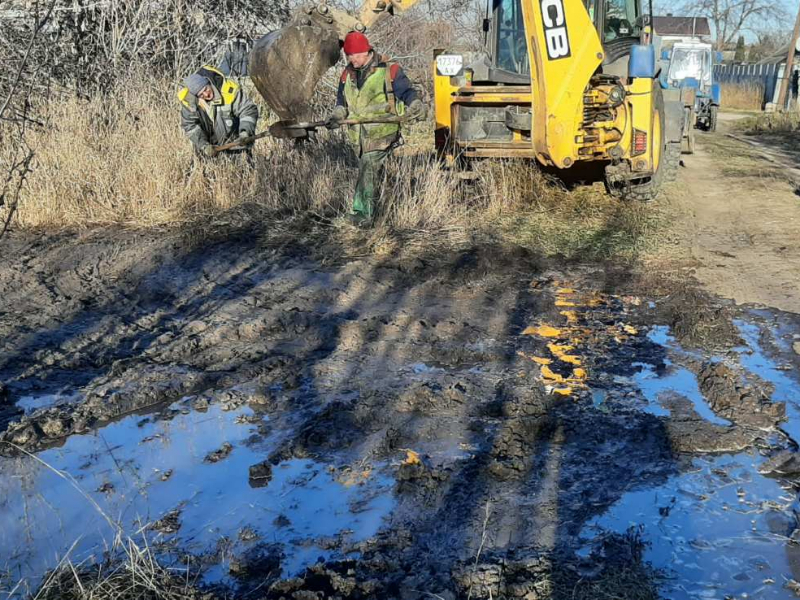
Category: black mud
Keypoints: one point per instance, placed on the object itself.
(462, 427)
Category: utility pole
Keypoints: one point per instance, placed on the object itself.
(787, 73)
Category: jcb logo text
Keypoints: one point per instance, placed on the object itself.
(555, 29)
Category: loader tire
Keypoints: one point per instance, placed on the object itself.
(670, 157)
(690, 142)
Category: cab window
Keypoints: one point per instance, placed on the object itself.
(691, 62)
(511, 46)
(620, 19)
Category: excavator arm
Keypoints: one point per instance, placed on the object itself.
(286, 65)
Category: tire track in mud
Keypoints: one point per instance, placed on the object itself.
(506, 409)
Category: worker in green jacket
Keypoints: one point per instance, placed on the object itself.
(371, 88)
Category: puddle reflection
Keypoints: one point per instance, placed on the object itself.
(137, 470)
(718, 531)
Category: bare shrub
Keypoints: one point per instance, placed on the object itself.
(92, 44)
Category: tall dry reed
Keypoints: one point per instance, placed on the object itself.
(742, 96)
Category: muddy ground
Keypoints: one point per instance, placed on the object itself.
(481, 425)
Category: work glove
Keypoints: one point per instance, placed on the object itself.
(208, 151)
(417, 111)
(338, 115)
(243, 135)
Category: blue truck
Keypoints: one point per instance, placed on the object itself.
(691, 70)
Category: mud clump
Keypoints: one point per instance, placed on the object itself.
(46, 426)
(698, 320)
(730, 396)
(323, 581)
(431, 398)
(248, 534)
(783, 464)
(615, 569)
(418, 477)
(513, 452)
(169, 523)
(526, 579)
(688, 432)
(220, 454)
(260, 475)
(105, 402)
(262, 562)
(513, 400)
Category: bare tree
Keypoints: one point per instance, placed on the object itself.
(768, 43)
(731, 18)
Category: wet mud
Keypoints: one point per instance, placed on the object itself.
(477, 426)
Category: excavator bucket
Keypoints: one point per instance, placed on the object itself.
(287, 64)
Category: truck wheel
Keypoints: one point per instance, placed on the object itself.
(712, 118)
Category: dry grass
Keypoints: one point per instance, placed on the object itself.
(742, 96)
(122, 160)
(130, 573)
(779, 122)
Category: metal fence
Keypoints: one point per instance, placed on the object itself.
(768, 76)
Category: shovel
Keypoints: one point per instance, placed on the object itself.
(292, 130)
(240, 142)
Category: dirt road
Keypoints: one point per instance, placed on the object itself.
(486, 424)
(742, 221)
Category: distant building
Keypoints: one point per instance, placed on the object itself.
(779, 58)
(682, 29)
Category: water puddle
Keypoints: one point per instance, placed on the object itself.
(657, 381)
(30, 404)
(787, 389)
(674, 379)
(423, 369)
(140, 469)
(661, 336)
(720, 530)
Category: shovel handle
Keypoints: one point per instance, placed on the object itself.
(309, 127)
(239, 142)
(374, 121)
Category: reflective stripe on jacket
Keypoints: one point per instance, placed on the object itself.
(220, 120)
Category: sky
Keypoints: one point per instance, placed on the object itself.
(663, 7)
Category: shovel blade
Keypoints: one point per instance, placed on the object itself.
(287, 130)
(287, 64)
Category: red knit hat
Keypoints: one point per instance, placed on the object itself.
(356, 42)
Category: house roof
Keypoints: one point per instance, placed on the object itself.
(694, 26)
(777, 58)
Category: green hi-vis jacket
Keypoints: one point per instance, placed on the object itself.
(375, 99)
(220, 120)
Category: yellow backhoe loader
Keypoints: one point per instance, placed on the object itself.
(573, 84)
